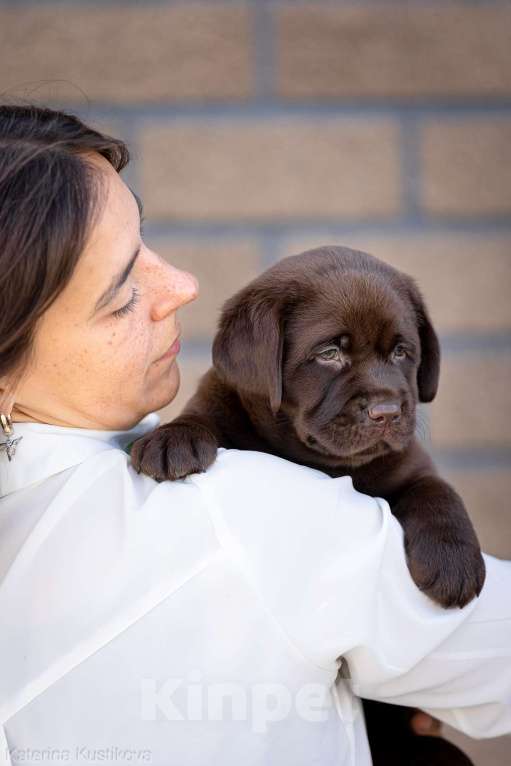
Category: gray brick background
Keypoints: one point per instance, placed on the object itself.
(262, 128)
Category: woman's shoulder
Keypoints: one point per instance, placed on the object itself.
(256, 496)
(261, 468)
(258, 474)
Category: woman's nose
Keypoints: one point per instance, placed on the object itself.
(176, 289)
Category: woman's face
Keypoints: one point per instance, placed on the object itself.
(97, 362)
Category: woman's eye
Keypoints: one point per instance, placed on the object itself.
(330, 353)
(128, 307)
(399, 352)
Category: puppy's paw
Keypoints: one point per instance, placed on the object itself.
(449, 572)
(174, 451)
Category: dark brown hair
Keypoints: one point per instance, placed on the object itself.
(49, 197)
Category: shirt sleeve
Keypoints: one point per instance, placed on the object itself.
(329, 563)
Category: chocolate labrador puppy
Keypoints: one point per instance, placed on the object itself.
(321, 360)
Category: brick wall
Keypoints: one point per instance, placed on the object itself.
(260, 129)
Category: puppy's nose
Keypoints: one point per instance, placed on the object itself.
(384, 412)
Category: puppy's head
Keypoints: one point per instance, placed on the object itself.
(339, 342)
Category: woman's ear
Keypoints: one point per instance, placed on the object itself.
(428, 373)
(248, 347)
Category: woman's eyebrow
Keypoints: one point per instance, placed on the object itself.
(119, 279)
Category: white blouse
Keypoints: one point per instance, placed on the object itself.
(231, 617)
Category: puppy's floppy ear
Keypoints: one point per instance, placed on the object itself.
(248, 347)
(429, 369)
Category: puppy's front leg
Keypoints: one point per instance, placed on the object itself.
(443, 553)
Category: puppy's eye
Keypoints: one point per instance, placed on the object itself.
(399, 352)
(331, 353)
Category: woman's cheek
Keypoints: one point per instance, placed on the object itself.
(133, 353)
(127, 344)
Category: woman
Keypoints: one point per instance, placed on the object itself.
(203, 620)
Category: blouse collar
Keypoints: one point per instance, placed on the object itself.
(48, 449)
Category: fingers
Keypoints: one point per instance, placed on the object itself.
(422, 723)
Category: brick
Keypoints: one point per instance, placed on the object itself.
(187, 52)
(473, 402)
(271, 169)
(191, 368)
(466, 166)
(395, 51)
(222, 268)
(486, 497)
(465, 278)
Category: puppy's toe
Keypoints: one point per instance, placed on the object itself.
(147, 456)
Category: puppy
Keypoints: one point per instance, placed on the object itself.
(321, 360)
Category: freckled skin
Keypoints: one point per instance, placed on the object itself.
(102, 372)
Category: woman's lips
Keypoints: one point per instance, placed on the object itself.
(174, 349)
